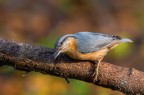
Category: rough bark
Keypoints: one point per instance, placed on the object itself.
(35, 58)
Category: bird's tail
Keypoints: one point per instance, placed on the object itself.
(124, 40)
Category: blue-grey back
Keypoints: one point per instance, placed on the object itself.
(91, 41)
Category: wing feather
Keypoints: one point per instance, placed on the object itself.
(90, 41)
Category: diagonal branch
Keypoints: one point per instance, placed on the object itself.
(35, 58)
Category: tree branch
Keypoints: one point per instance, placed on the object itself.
(35, 58)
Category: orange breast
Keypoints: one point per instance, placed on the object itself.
(88, 56)
(95, 55)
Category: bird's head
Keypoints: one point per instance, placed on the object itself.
(64, 44)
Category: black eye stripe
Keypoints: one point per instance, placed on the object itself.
(66, 39)
(63, 40)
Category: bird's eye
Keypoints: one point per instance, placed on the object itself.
(60, 43)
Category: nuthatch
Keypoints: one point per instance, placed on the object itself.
(87, 46)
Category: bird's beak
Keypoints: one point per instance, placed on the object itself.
(57, 53)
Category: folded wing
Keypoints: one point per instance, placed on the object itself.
(90, 41)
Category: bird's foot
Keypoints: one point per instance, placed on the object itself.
(95, 74)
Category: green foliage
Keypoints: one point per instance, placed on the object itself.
(121, 51)
(78, 88)
(7, 70)
(49, 41)
(66, 5)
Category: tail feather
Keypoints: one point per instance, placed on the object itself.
(126, 40)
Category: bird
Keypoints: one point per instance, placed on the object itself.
(92, 46)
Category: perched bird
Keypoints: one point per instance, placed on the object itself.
(87, 46)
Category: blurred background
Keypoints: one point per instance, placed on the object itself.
(41, 22)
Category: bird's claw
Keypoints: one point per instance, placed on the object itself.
(95, 74)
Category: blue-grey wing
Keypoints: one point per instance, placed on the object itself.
(90, 41)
